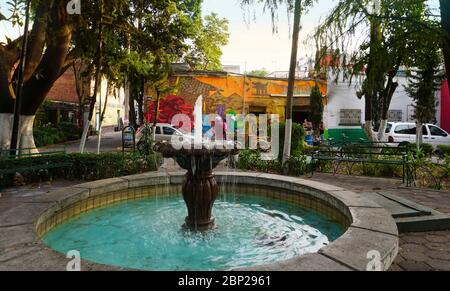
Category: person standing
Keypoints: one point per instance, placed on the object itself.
(322, 132)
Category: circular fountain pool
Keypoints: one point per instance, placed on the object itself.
(146, 234)
(274, 223)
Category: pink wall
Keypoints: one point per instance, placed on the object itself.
(445, 106)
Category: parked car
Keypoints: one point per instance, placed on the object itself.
(163, 133)
(406, 132)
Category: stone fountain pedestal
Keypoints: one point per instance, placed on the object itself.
(200, 188)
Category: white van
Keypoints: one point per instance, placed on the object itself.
(406, 132)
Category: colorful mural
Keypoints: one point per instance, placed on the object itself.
(223, 92)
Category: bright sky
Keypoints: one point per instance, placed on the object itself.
(252, 45)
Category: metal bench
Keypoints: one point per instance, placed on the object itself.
(27, 161)
(363, 153)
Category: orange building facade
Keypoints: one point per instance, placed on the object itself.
(225, 93)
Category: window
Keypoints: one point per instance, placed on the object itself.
(395, 116)
(388, 127)
(404, 129)
(158, 130)
(435, 131)
(350, 117)
(409, 129)
(168, 131)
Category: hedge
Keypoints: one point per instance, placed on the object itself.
(85, 167)
(54, 134)
(444, 150)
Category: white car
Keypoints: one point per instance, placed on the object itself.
(406, 132)
(164, 133)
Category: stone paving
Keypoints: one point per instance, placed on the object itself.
(111, 142)
(427, 251)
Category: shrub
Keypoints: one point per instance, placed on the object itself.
(426, 148)
(52, 134)
(297, 142)
(296, 166)
(444, 150)
(251, 160)
(87, 166)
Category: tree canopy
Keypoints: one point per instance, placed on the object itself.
(122, 40)
(372, 43)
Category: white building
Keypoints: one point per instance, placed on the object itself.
(344, 110)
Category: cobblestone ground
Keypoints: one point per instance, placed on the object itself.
(427, 251)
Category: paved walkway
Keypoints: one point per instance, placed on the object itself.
(427, 251)
(418, 251)
(111, 142)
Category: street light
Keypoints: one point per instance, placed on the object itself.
(19, 85)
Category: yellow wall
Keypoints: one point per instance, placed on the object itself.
(242, 94)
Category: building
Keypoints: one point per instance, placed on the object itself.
(63, 103)
(345, 113)
(445, 106)
(62, 100)
(235, 69)
(225, 92)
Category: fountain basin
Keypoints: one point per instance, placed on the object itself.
(368, 227)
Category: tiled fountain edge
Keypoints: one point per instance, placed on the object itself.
(372, 229)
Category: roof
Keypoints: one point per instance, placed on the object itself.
(64, 89)
(183, 73)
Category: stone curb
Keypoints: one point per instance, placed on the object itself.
(372, 229)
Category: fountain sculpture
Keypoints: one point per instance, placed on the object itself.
(200, 188)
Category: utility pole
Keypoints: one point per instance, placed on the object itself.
(19, 86)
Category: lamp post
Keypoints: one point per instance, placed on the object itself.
(19, 85)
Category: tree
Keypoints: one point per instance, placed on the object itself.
(181, 35)
(104, 37)
(423, 84)
(396, 28)
(209, 38)
(259, 73)
(316, 101)
(298, 7)
(47, 58)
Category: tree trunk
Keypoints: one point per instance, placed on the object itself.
(102, 117)
(371, 86)
(25, 139)
(140, 103)
(6, 120)
(42, 68)
(419, 135)
(388, 93)
(291, 83)
(98, 76)
(382, 130)
(132, 108)
(445, 20)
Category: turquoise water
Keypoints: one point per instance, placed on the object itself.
(147, 235)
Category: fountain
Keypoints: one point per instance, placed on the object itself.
(200, 188)
(271, 222)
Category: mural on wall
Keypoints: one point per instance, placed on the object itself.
(169, 106)
(223, 93)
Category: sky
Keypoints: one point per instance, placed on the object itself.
(252, 45)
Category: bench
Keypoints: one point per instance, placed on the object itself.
(365, 152)
(27, 161)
